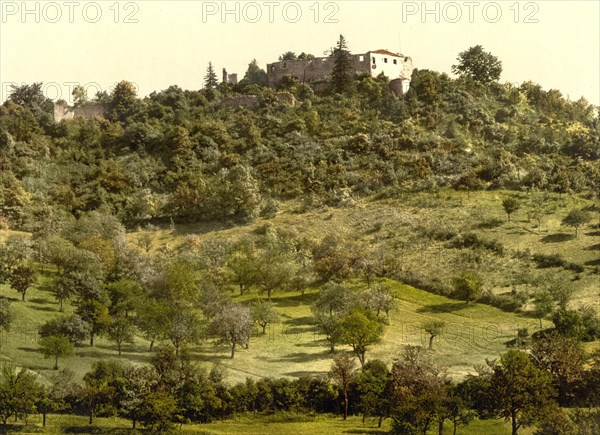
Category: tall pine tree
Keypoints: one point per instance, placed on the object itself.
(341, 76)
(210, 79)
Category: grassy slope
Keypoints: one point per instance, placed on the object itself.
(278, 424)
(294, 347)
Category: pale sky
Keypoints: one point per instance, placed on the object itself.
(554, 43)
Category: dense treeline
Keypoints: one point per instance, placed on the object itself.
(183, 155)
(414, 393)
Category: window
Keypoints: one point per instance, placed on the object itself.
(272, 67)
(385, 60)
(373, 61)
(361, 58)
(395, 61)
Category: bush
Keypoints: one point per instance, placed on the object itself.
(506, 302)
(551, 260)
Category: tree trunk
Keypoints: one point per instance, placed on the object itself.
(232, 349)
(151, 345)
(441, 427)
(515, 427)
(241, 289)
(61, 308)
(431, 342)
(380, 421)
(119, 347)
(269, 295)
(345, 405)
(91, 339)
(331, 345)
(134, 423)
(23, 296)
(56, 363)
(91, 420)
(454, 427)
(264, 328)
(361, 358)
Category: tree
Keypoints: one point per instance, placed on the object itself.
(182, 327)
(158, 411)
(342, 373)
(564, 358)
(360, 329)
(79, 96)
(6, 315)
(152, 317)
(467, 285)
(576, 218)
(72, 327)
(510, 206)
(478, 65)
(121, 330)
(520, 391)
(341, 75)
(32, 97)
(263, 313)
(21, 278)
(210, 79)
(433, 328)
(543, 305)
(378, 299)
(95, 314)
(288, 55)
(241, 265)
(417, 392)
(371, 384)
(255, 75)
(19, 391)
(233, 325)
(56, 346)
(334, 302)
(125, 295)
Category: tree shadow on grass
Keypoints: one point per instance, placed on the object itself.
(367, 431)
(595, 247)
(595, 262)
(593, 234)
(299, 374)
(303, 357)
(557, 238)
(447, 307)
(294, 301)
(43, 308)
(300, 321)
(39, 301)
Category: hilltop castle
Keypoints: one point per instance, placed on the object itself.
(396, 67)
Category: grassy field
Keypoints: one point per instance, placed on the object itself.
(277, 424)
(294, 346)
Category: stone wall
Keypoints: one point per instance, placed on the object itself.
(319, 68)
(88, 111)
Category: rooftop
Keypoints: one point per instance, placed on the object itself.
(386, 52)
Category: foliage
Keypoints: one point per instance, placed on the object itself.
(478, 65)
(57, 346)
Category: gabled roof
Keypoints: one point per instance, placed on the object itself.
(385, 52)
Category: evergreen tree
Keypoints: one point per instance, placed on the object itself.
(210, 79)
(341, 77)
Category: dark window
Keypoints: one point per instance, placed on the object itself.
(395, 61)
(373, 60)
(385, 60)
